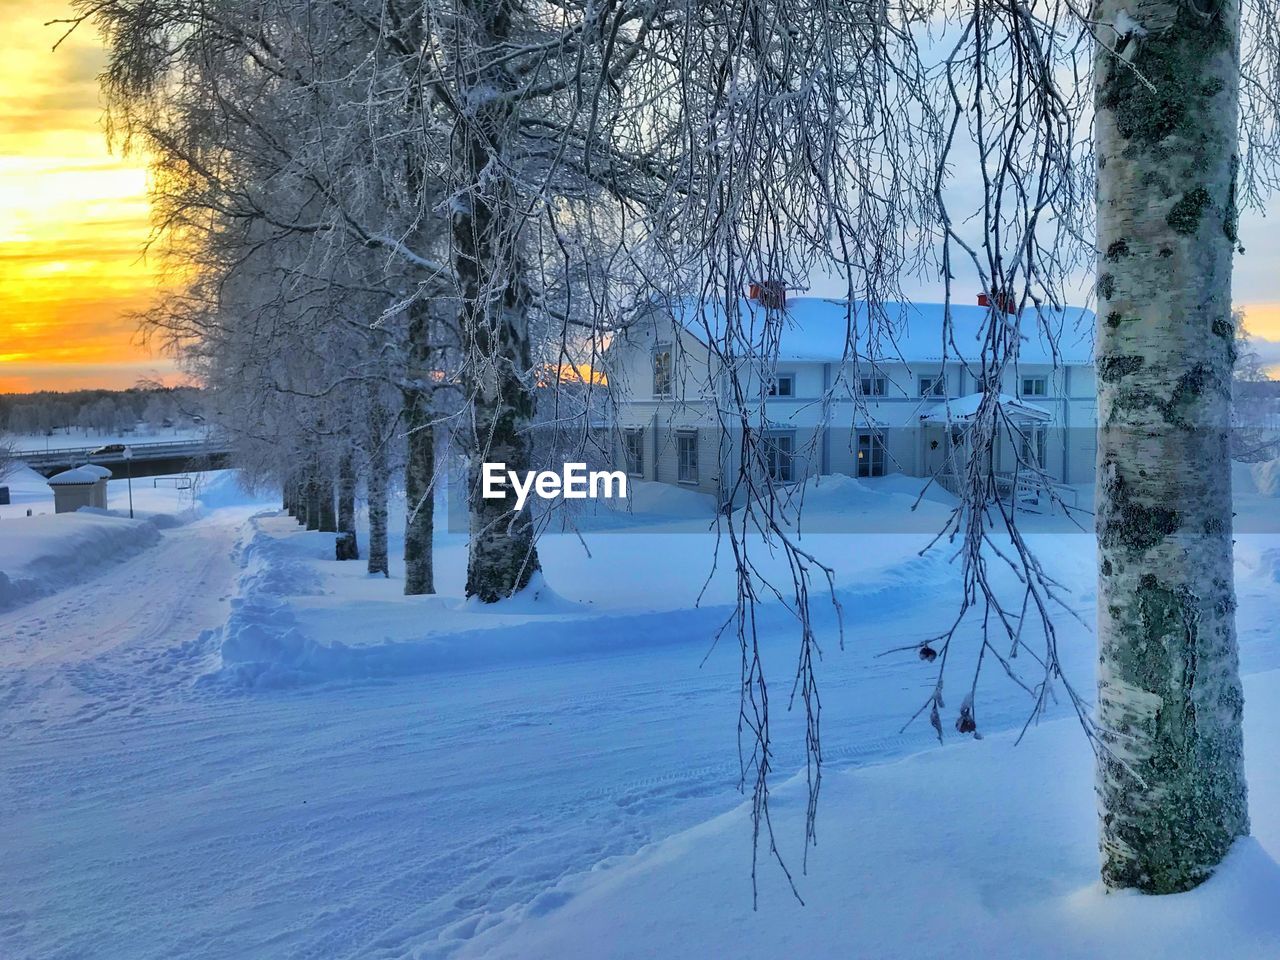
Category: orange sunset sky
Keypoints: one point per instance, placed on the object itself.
(74, 219)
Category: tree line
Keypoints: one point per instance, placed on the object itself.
(101, 412)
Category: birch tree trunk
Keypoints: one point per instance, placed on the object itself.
(328, 517)
(486, 223)
(1169, 695)
(347, 547)
(420, 462)
(312, 484)
(377, 491)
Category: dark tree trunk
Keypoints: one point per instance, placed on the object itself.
(328, 516)
(495, 321)
(420, 462)
(312, 485)
(377, 490)
(347, 545)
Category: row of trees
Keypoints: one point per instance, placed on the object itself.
(105, 412)
(396, 219)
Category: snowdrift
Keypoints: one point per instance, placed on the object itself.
(978, 849)
(39, 555)
(837, 503)
(282, 633)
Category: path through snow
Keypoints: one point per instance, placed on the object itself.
(120, 639)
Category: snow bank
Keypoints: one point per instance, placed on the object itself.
(286, 629)
(28, 490)
(838, 503)
(43, 554)
(979, 849)
(669, 500)
(647, 504)
(264, 644)
(221, 488)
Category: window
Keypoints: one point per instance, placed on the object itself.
(870, 455)
(873, 386)
(1035, 387)
(634, 449)
(934, 385)
(687, 456)
(662, 370)
(780, 457)
(1033, 444)
(784, 385)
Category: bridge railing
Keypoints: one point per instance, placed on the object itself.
(141, 451)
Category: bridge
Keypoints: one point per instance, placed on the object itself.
(149, 459)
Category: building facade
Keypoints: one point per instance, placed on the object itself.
(899, 403)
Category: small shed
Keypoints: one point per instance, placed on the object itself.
(79, 487)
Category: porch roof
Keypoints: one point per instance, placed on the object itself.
(965, 409)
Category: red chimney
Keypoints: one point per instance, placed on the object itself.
(768, 293)
(1001, 301)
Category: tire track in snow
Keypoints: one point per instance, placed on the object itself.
(131, 637)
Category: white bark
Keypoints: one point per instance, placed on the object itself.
(1169, 694)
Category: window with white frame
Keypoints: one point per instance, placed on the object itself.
(783, 385)
(633, 441)
(662, 370)
(870, 455)
(687, 456)
(1035, 386)
(933, 385)
(873, 386)
(780, 457)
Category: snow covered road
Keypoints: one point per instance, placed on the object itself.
(116, 640)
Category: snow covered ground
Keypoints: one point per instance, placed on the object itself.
(230, 745)
(152, 496)
(981, 849)
(44, 552)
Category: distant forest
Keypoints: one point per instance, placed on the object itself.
(100, 412)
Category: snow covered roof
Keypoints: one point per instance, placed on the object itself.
(97, 469)
(815, 329)
(958, 411)
(76, 476)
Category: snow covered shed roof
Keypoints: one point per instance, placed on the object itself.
(815, 329)
(96, 469)
(77, 476)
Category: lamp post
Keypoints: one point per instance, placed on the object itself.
(127, 453)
